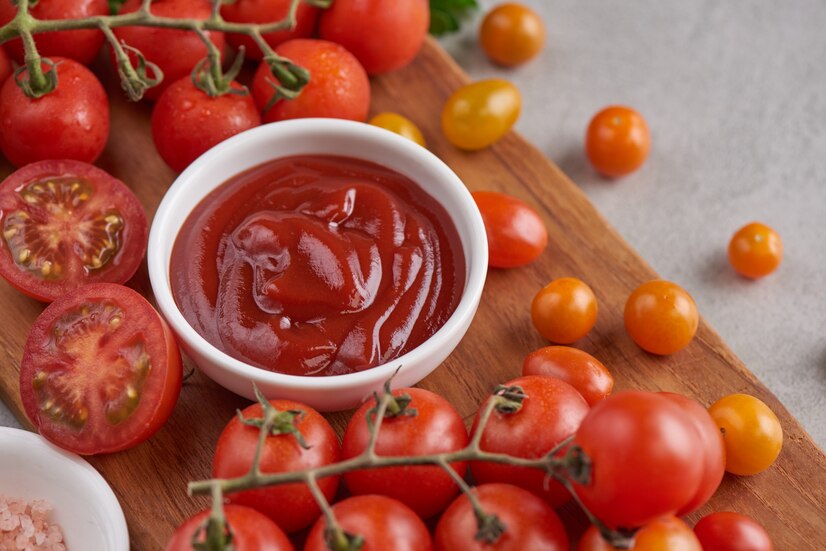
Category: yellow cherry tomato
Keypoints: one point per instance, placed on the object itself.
(755, 250)
(661, 317)
(400, 125)
(512, 34)
(565, 310)
(751, 431)
(479, 114)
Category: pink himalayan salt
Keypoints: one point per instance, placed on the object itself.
(25, 526)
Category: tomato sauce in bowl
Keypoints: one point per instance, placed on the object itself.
(317, 265)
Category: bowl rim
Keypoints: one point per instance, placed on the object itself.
(476, 254)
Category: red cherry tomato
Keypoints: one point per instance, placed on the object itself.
(516, 234)
(714, 451)
(617, 141)
(645, 457)
(174, 51)
(186, 122)
(291, 506)
(384, 523)
(565, 310)
(71, 122)
(396, 30)
(551, 412)
(664, 534)
(727, 531)
(530, 523)
(661, 317)
(338, 88)
(101, 371)
(268, 11)
(755, 251)
(577, 368)
(6, 68)
(251, 531)
(66, 224)
(435, 428)
(81, 45)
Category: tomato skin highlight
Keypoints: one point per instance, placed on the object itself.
(478, 115)
(565, 310)
(396, 30)
(251, 531)
(436, 428)
(512, 34)
(186, 122)
(267, 11)
(71, 122)
(516, 233)
(661, 317)
(751, 431)
(617, 141)
(664, 534)
(755, 251)
(576, 367)
(384, 523)
(729, 531)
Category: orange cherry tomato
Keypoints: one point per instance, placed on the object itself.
(661, 317)
(576, 367)
(479, 114)
(564, 310)
(665, 534)
(617, 141)
(516, 234)
(400, 125)
(755, 250)
(751, 432)
(512, 34)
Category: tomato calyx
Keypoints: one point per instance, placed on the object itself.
(508, 399)
(276, 422)
(208, 76)
(37, 83)
(290, 79)
(397, 406)
(489, 528)
(339, 540)
(215, 533)
(135, 79)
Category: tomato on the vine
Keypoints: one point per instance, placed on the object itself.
(71, 122)
(661, 317)
(755, 251)
(383, 522)
(530, 523)
(101, 371)
(267, 11)
(339, 87)
(251, 531)
(80, 45)
(512, 34)
(642, 450)
(516, 233)
(400, 125)
(565, 310)
(663, 534)
(617, 141)
(186, 121)
(751, 431)
(66, 224)
(478, 115)
(384, 36)
(729, 531)
(427, 425)
(551, 412)
(576, 367)
(6, 68)
(291, 506)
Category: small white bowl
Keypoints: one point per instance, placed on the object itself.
(82, 503)
(323, 137)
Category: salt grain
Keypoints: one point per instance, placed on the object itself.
(25, 526)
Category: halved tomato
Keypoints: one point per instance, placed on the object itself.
(66, 224)
(101, 371)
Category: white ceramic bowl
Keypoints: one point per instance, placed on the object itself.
(332, 137)
(82, 503)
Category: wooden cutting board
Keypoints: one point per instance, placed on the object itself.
(150, 481)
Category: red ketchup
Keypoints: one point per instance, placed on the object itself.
(317, 265)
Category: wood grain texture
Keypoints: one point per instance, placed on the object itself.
(150, 481)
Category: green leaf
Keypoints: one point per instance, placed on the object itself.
(446, 15)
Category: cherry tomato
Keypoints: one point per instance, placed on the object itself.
(81, 45)
(186, 122)
(174, 51)
(643, 453)
(400, 125)
(291, 506)
(66, 224)
(551, 412)
(661, 317)
(480, 114)
(267, 11)
(714, 452)
(435, 428)
(516, 234)
(565, 310)
(384, 523)
(512, 34)
(396, 30)
(617, 141)
(530, 523)
(664, 534)
(755, 250)
(251, 531)
(727, 531)
(751, 432)
(577, 368)
(6, 68)
(101, 371)
(71, 122)
(338, 89)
